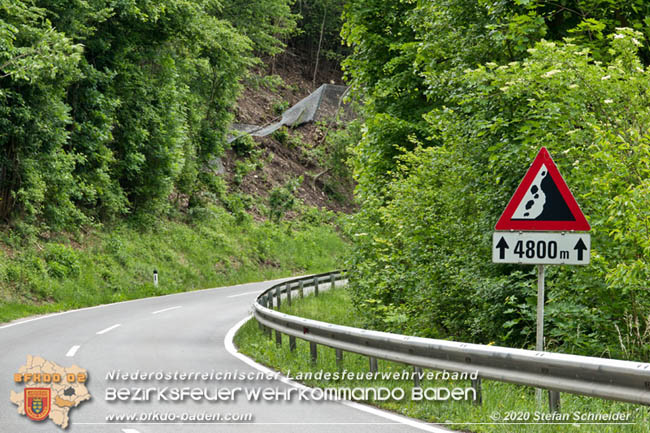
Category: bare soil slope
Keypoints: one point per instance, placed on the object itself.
(288, 153)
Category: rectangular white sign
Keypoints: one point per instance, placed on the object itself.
(541, 248)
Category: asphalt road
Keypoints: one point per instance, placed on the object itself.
(182, 333)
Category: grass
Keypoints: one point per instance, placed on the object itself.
(114, 265)
(499, 399)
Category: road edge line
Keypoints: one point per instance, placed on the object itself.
(36, 317)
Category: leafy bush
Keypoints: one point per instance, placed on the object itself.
(282, 199)
(281, 135)
(279, 107)
(108, 111)
(244, 145)
(62, 261)
(423, 246)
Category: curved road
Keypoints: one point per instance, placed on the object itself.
(183, 332)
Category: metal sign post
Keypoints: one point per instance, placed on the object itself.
(539, 345)
(539, 227)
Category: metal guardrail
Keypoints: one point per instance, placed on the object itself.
(610, 379)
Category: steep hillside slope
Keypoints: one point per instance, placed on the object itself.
(301, 156)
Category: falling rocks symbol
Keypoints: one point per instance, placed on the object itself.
(554, 208)
(543, 201)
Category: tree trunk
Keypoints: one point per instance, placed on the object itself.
(320, 42)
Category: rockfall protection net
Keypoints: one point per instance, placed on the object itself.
(321, 104)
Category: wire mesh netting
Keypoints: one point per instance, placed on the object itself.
(319, 105)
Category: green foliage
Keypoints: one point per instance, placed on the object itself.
(333, 306)
(215, 249)
(37, 63)
(281, 135)
(62, 261)
(337, 150)
(295, 140)
(244, 145)
(423, 249)
(268, 23)
(279, 106)
(409, 57)
(319, 23)
(283, 199)
(109, 109)
(458, 97)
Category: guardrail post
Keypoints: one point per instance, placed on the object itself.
(339, 357)
(417, 371)
(268, 332)
(278, 296)
(332, 281)
(373, 364)
(292, 343)
(289, 294)
(301, 289)
(316, 286)
(278, 338)
(478, 398)
(313, 348)
(554, 401)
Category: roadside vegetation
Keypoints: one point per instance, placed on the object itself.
(73, 271)
(500, 400)
(457, 99)
(114, 153)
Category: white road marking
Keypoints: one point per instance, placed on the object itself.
(243, 294)
(72, 351)
(230, 347)
(129, 430)
(167, 309)
(110, 328)
(61, 313)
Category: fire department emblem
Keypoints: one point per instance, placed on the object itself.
(37, 403)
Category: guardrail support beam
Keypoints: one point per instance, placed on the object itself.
(417, 371)
(617, 380)
(554, 401)
(292, 343)
(332, 281)
(477, 385)
(278, 338)
(313, 349)
(373, 364)
(289, 294)
(301, 289)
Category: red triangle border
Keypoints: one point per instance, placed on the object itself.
(505, 222)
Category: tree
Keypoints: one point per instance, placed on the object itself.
(37, 62)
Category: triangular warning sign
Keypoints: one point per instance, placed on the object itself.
(543, 201)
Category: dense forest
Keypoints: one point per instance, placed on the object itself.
(115, 110)
(109, 107)
(114, 153)
(459, 96)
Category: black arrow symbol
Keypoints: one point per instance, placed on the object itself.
(502, 246)
(581, 247)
